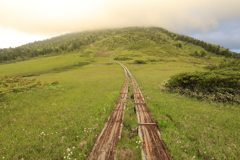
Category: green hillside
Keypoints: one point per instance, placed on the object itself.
(56, 94)
(152, 42)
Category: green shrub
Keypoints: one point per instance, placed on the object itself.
(88, 53)
(54, 82)
(217, 85)
(155, 59)
(18, 84)
(198, 53)
(233, 65)
(140, 61)
(122, 58)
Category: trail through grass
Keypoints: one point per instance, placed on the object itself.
(62, 121)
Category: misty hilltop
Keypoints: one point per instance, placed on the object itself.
(151, 41)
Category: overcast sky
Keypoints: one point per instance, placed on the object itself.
(215, 21)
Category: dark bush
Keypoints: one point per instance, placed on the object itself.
(221, 85)
(122, 58)
(140, 62)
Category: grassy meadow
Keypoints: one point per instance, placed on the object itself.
(62, 121)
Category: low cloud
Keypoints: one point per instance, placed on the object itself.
(60, 16)
(55, 17)
(226, 35)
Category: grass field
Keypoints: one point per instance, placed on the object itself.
(62, 121)
(59, 121)
(42, 65)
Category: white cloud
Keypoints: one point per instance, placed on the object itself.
(52, 17)
(12, 38)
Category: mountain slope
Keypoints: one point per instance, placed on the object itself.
(152, 41)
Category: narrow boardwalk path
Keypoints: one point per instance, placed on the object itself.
(153, 147)
(105, 145)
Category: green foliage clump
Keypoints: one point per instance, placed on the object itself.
(122, 58)
(179, 45)
(153, 60)
(219, 84)
(88, 53)
(140, 61)
(156, 59)
(198, 53)
(233, 65)
(19, 84)
(54, 82)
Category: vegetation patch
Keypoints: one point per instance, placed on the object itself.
(86, 62)
(155, 59)
(122, 58)
(140, 61)
(198, 53)
(19, 84)
(218, 84)
(88, 53)
(63, 68)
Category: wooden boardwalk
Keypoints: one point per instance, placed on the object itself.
(153, 147)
